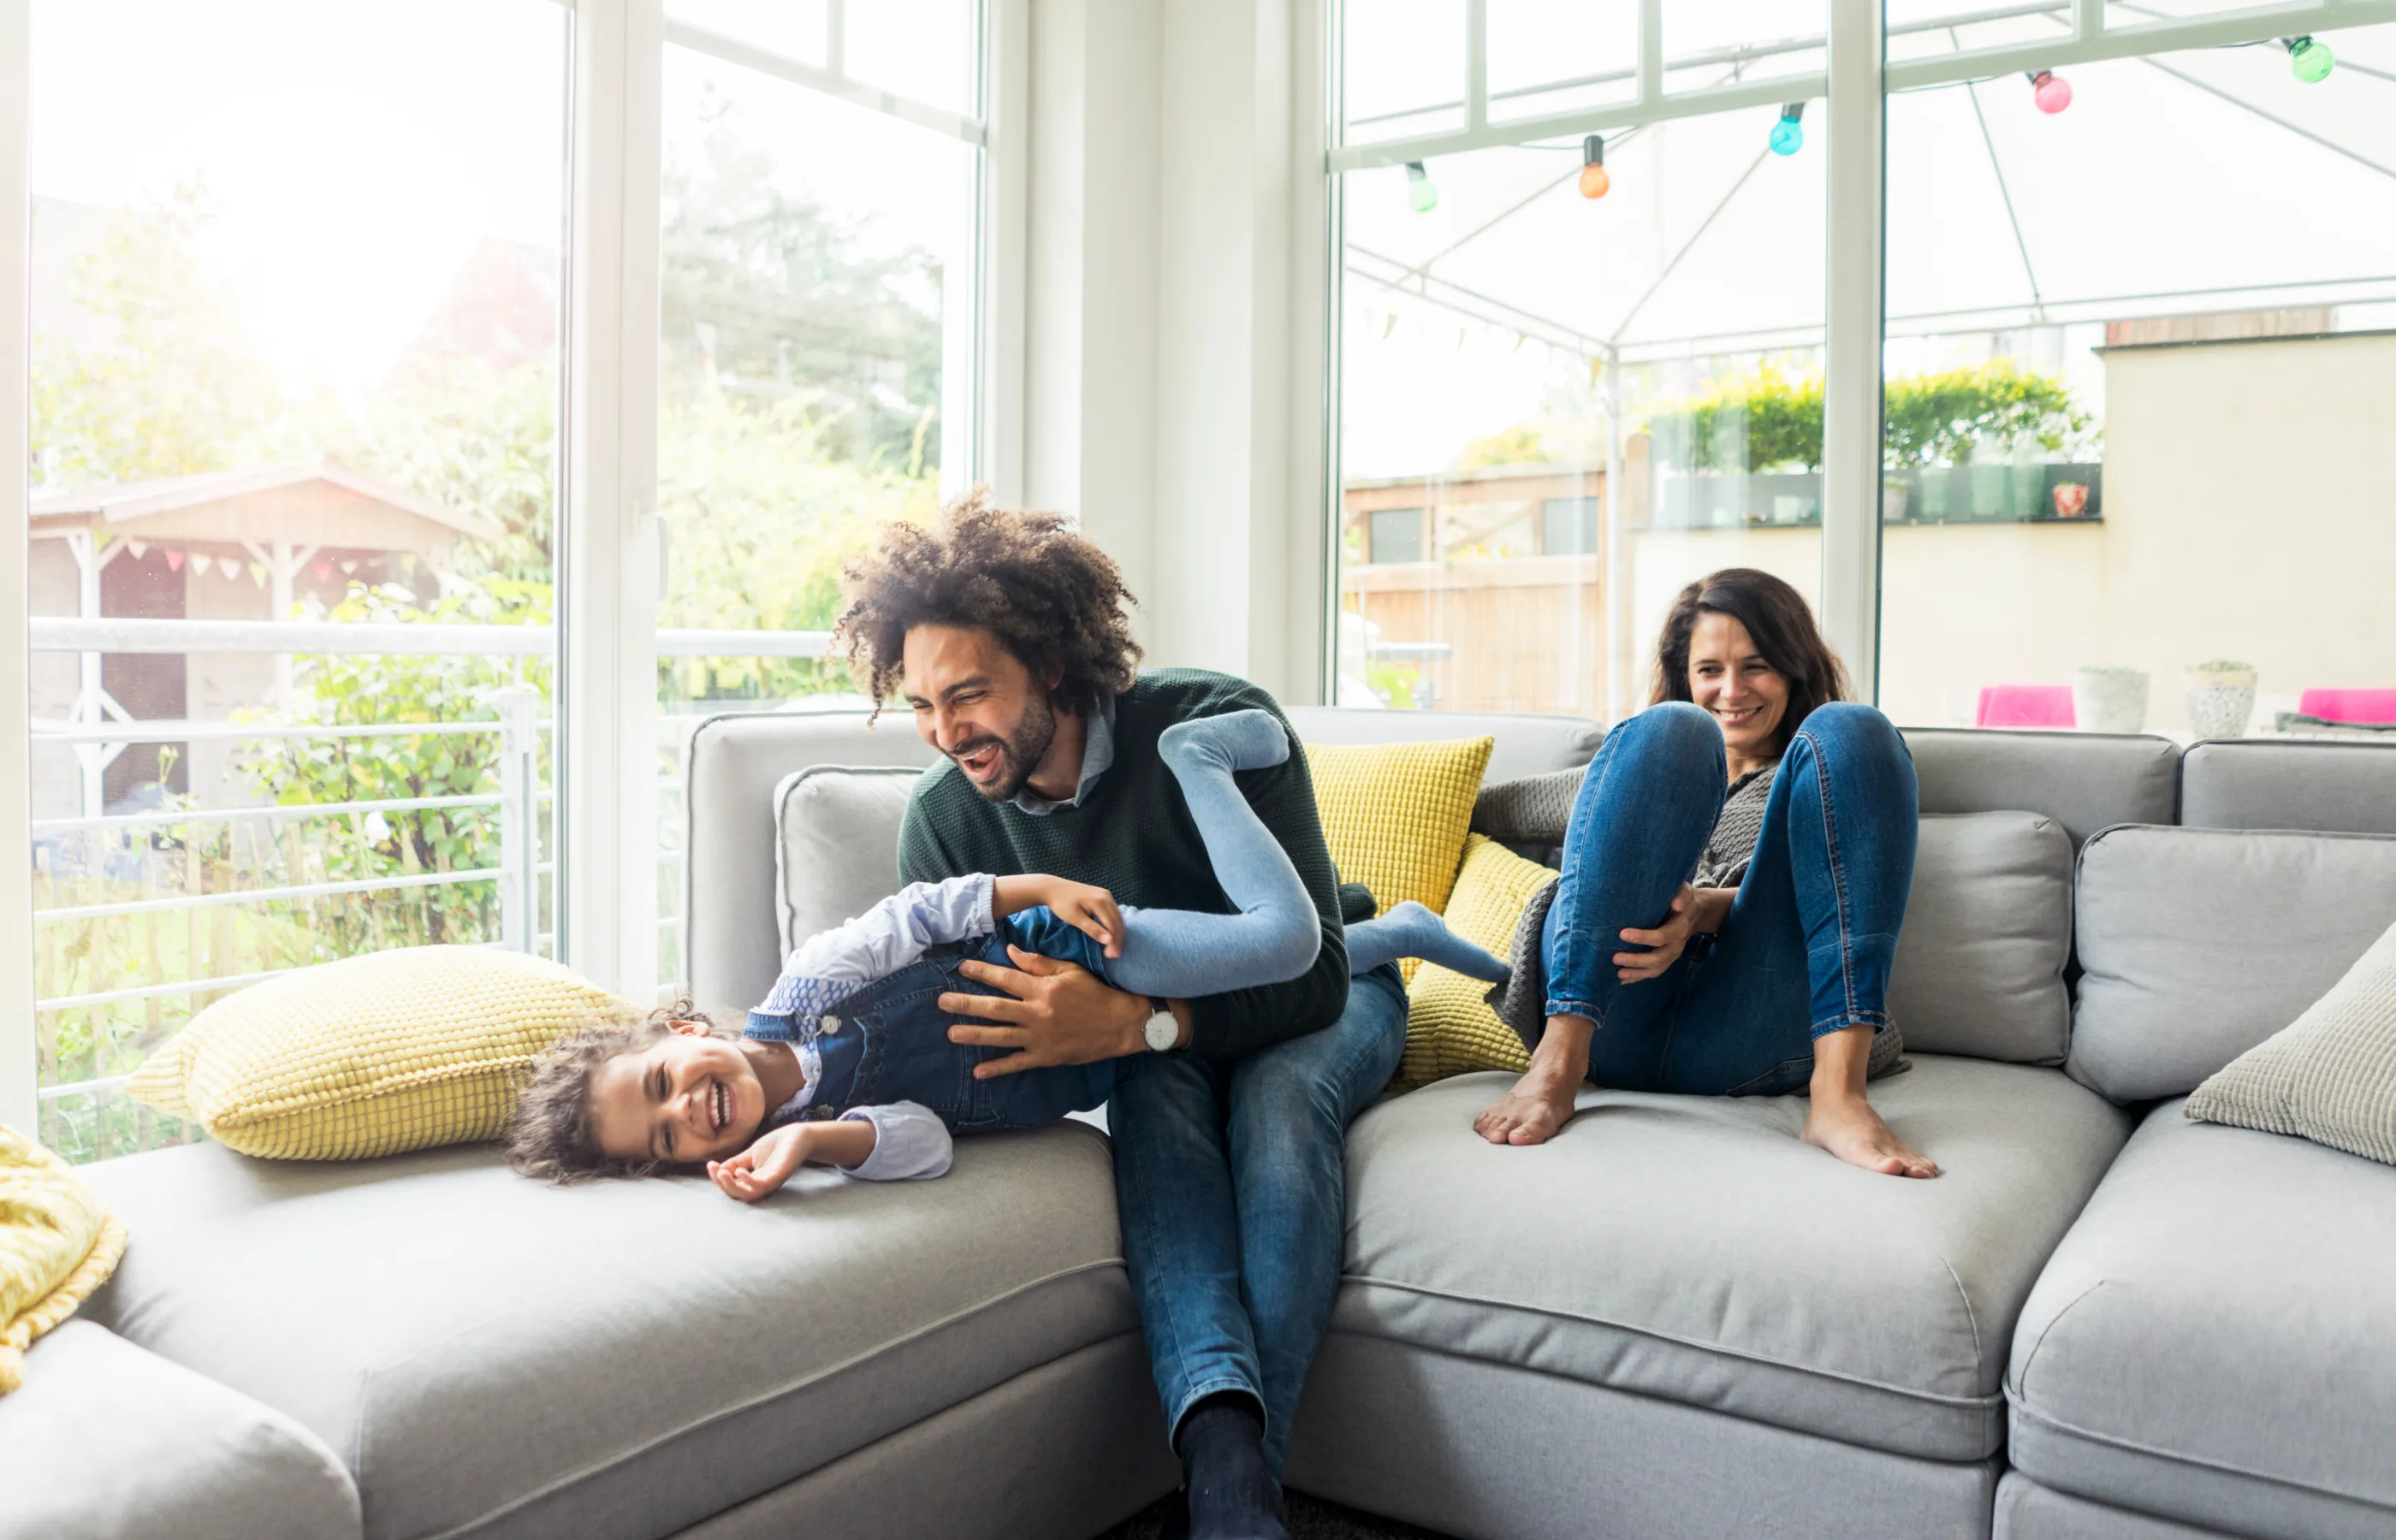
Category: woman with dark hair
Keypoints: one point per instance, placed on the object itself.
(1750, 837)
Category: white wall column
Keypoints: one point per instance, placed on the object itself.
(1851, 402)
(16, 1053)
(608, 544)
(1091, 171)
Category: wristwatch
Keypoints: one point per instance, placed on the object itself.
(1162, 1033)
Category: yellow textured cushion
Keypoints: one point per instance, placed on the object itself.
(370, 1055)
(1450, 1029)
(1396, 814)
(58, 1242)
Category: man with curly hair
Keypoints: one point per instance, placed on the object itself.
(1006, 634)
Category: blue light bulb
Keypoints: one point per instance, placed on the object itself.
(1788, 134)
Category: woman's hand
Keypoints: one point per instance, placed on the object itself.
(1696, 911)
(1089, 910)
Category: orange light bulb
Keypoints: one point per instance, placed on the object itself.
(1594, 181)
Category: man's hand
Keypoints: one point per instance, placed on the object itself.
(1055, 1013)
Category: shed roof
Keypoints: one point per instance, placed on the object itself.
(154, 504)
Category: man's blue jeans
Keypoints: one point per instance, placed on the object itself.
(1808, 943)
(1231, 1182)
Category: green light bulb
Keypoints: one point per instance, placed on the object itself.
(2311, 60)
(1420, 191)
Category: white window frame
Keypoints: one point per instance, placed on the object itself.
(1855, 87)
(608, 544)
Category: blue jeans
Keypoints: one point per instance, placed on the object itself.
(1807, 947)
(1232, 1183)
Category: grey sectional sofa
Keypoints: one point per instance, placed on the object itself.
(2104, 1324)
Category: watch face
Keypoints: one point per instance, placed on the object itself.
(1162, 1031)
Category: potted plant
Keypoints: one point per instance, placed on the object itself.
(2107, 699)
(2220, 699)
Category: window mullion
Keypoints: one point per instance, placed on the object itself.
(1851, 398)
(16, 1050)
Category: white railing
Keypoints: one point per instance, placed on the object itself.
(518, 801)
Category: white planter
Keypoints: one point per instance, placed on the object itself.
(2110, 700)
(2221, 710)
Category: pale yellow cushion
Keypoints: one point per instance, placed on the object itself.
(1396, 814)
(1450, 1029)
(371, 1056)
(58, 1242)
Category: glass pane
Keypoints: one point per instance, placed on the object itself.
(1546, 56)
(926, 50)
(1555, 412)
(1711, 43)
(816, 367)
(252, 415)
(1402, 68)
(2137, 399)
(795, 28)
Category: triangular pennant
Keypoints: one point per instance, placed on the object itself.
(174, 561)
(256, 572)
(322, 570)
(138, 548)
(349, 568)
(201, 562)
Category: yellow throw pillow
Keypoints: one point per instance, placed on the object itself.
(1396, 814)
(1450, 1029)
(371, 1056)
(58, 1242)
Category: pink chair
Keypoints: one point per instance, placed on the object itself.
(2025, 706)
(2374, 707)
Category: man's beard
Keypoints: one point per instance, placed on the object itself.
(1020, 752)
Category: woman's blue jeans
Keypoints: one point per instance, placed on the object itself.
(1810, 939)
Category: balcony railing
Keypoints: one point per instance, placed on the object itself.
(518, 803)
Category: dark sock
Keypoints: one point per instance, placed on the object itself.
(1233, 1494)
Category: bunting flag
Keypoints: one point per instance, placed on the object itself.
(174, 561)
(201, 563)
(1389, 325)
(139, 549)
(257, 571)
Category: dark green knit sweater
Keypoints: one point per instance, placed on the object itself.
(1133, 836)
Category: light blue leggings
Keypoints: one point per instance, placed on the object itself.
(1274, 937)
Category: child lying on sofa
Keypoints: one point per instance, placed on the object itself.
(847, 1062)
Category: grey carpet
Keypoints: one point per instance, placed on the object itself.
(1310, 1518)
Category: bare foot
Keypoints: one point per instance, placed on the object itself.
(1542, 1102)
(1847, 1127)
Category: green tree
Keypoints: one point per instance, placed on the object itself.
(1939, 419)
(1754, 422)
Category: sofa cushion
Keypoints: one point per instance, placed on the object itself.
(2343, 788)
(1692, 1248)
(836, 847)
(2216, 1341)
(1987, 931)
(2198, 944)
(57, 1243)
(1450, 1029)
(2329, 1076)
(490, 1356)
(1394, 814)
(2085, 781)
(107, 1442)
(1525, 744)
(2029, 1511)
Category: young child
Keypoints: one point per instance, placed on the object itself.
(848, 1063)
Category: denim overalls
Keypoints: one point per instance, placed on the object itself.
(889, 1042)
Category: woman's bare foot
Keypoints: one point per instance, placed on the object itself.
(1847, 1127)
(1542, 1102)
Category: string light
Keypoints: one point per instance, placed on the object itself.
(1788, 134)
(2308, 58)
(1593, 180)
(2051, 91)
(1421, 193)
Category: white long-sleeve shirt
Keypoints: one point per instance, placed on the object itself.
(910, 1141)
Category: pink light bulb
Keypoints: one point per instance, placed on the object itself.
(2051, 91)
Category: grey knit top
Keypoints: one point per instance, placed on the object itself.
(1540, 804)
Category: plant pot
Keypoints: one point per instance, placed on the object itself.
(1894, 495)
(2110, 700)
(2071, 500)
(2221, 710)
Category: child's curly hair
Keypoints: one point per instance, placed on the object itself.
(1049, 595)
(550, 1134)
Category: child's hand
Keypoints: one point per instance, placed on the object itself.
(764, 1166)
(1088, 910)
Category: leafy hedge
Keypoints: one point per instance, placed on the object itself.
(1763, 421)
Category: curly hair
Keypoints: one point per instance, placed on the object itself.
(550, 1134)
(1050, 596)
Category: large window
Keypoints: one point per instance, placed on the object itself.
(820, 225)
(294, 281)
(2137, 350)
(2141, 364)
(1557, 410)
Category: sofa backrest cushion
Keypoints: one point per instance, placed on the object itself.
(2338, 787)
(731, 768)
(1988, 931)
(2085, 781)
(836, 850)
(1527, 744)
(2198, 943)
